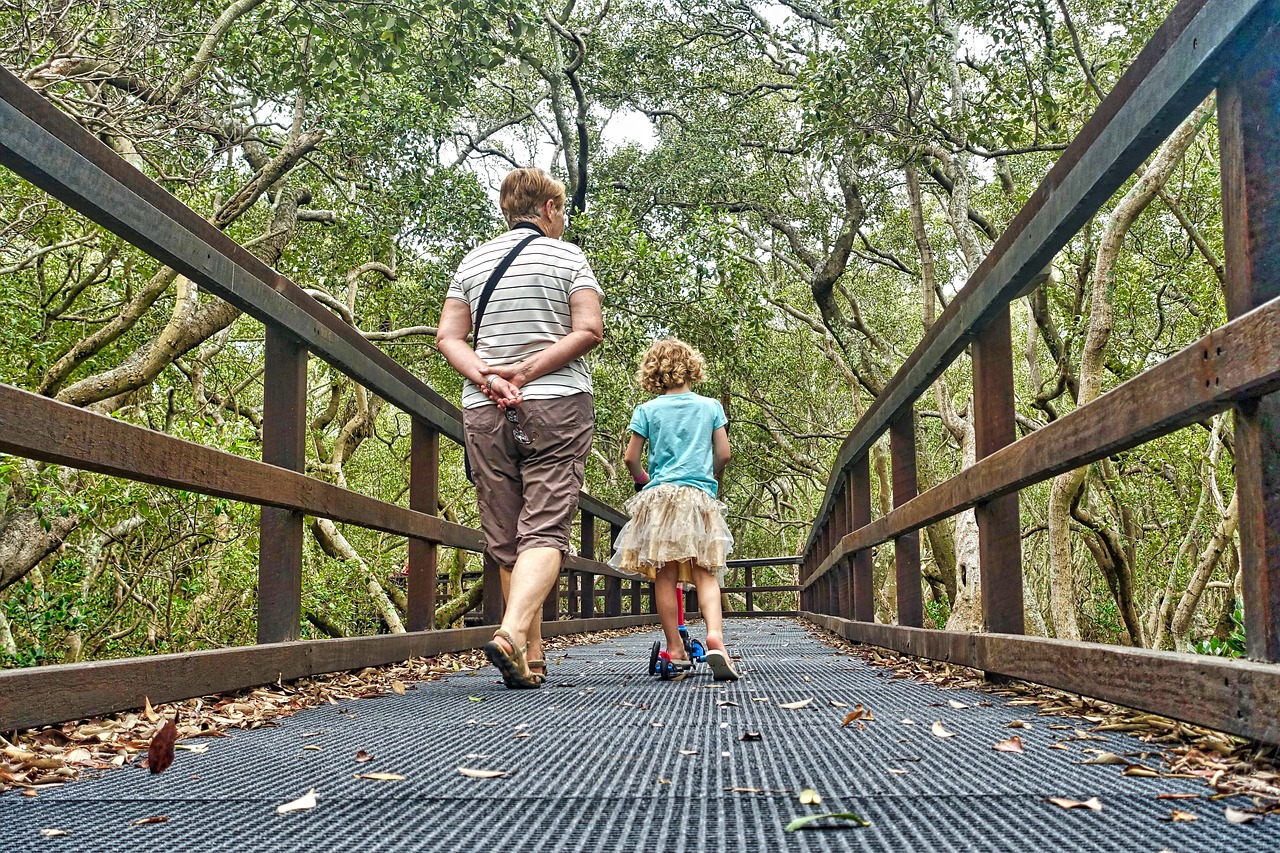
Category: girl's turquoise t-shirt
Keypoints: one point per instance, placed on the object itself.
(678, 428)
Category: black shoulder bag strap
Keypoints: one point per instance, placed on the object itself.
(494, 277)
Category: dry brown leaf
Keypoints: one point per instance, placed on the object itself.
(1177, 796)
(311, 747)
(144, 821)
(751, 736)
(688, 752)
(1093, 803)
(725, 703)
(519, 735)
(306, 801)
(160, 752)
(54, 833)
(1179, 816)
(477, 773)
(898, 770)
(1060, 746)
(1139, 770)
(662, 781)
(959, 706)
(1105, 758)
(148, 711)
(362, 756)
(1236, 816)
(397, 687)
(855, 714)
(794, 706)
(387, 777)
(940, 730)
(809, 797)
(1017, 724)
(835, 704)
(1013, 744)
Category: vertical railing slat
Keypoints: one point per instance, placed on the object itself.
(587, 548)
(284, 420)
(999, 530)
(424, 496)
(864, 609)
(1249, 141)
(906, 548)
(613, 585)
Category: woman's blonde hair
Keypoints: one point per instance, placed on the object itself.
(669, 364)
(525, 191)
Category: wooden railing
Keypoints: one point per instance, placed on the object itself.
(1230, 45)
(53, 152)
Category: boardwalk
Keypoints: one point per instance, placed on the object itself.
(602, 768)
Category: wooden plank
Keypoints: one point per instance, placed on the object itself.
(906, 548)
(1249, 142)
(743, 589)
(284, 424)
(424, 497)
(863, 581)
(493, 603)
(587, 548)
(999, 526)
(1172, 74)
(757, 562)
(71, 436)
(750, 589)
(1237, 362)
(44, 695)
(1237, 696)
(612, 583)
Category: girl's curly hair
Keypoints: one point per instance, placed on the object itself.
(670, 364)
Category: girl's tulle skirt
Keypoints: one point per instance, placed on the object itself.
(672, 523)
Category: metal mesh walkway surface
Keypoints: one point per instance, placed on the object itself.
(605, 757)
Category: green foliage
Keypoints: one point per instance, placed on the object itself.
(1230, 647)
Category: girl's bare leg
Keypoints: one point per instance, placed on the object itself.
(664, 587)
(709, 604)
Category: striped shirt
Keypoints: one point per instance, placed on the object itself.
(528, 311)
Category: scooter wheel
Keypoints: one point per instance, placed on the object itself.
(698, 652)
(665, 669)
(653, 657)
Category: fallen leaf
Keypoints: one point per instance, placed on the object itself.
(391, 777)
(1139, 770)
(1179, 816)
(751, 736)
(30, 792)
(144, 821)
(802, 822)
(959, 706)
(1017, 724)
(148, 711)
(835, 704)
(760, 699)
(900, 771)
(476, 773)
(311, 747)
(940, 730)
(397, 687)
(807, 678)
(196, 748)
(792, 706)
(1013, 744)
(662, 781)
(1093, 804)
(907, 722)
(362, 756)
(160, 752)
(481, 698)
(725, 703)
(688, 752)
(519, 735)
(1105, 758)
(1177, 796)
(1236, 816)
(809, 797)
(54, 833)
(851, 716)
(1060, 746)
(306, 801)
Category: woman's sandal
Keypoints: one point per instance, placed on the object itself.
(721, 667)
(512, 665)
(537, 676)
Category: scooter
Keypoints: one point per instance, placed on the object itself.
(660, 662)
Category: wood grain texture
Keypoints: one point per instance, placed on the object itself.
(1237, 696)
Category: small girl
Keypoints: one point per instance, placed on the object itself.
(677, 531)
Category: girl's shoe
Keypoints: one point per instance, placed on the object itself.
(681, 665)
(721, 667)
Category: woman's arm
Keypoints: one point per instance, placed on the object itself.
(451, 340)
(632, 460)
(587, 321)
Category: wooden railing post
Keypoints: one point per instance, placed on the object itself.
(587, 548)
(747, 582)
(1249, 141)
(551, 604)
(844, 595)
(634, 596)
(999, 527)
(612, 584)
(492, 605)
(864, 605)
(424, 496)
(653, 601)
(284, 421)
(906, 548)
